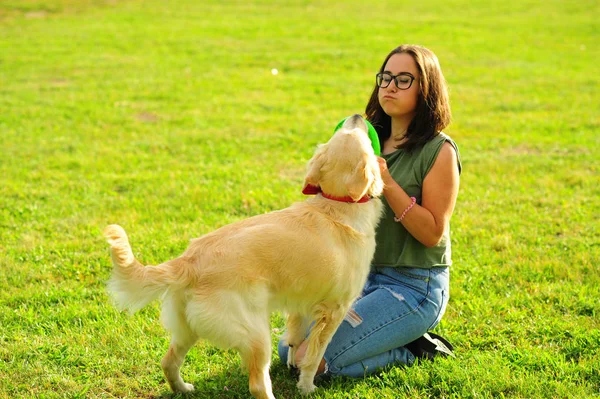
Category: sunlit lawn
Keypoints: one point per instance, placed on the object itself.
(165, 117)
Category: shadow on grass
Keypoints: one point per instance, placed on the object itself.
(233, 383)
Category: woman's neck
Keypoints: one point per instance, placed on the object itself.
(399, 127)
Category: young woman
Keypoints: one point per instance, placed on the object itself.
(408, 289)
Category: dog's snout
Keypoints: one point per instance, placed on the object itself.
(355, 121)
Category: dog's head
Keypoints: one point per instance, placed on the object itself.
(346, 165)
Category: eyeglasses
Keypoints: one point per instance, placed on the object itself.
(403, 80)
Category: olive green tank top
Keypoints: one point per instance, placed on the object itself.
(396, 247)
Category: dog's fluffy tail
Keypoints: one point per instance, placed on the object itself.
(132, 284)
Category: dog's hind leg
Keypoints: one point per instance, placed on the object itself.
(296, 329)
(172, 362)
(327, 320)
(256, 357)
(239, 321)
(182, 340)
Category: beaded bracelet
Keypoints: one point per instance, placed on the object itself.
(399, 219)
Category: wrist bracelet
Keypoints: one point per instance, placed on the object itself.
(399, 219)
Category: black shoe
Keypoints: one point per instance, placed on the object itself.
(429, 346)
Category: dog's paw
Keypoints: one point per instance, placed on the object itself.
(185, 388)
(306, 388)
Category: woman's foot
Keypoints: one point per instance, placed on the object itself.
(429, 346)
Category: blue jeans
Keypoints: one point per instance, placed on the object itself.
(397, 306)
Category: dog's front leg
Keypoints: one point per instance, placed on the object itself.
(296, 326)
(328, 319)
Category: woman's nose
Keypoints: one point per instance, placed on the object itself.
(391, 87)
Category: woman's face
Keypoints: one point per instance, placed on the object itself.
(394, 101)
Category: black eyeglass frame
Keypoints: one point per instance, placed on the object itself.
(394, 78)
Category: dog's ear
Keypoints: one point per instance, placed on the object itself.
(359, 181)
(374, 175)
(313, 175)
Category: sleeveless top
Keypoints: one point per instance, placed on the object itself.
(396, 247)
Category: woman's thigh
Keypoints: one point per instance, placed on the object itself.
(397, 307)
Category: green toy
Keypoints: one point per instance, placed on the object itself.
(371, 132)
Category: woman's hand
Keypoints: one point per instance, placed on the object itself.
(385, 173)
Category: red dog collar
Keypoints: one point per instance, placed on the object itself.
(313, 190)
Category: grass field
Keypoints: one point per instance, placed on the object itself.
(164, 117)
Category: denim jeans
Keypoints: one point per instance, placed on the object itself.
(397, 306)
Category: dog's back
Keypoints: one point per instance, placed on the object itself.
(299, 255)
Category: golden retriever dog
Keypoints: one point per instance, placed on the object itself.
(310, 260)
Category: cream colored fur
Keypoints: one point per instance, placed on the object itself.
(310, 260)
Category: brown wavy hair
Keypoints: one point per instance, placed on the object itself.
(433, 106)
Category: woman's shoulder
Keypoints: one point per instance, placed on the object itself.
(440, 139)
(433, 147)
(435, 144)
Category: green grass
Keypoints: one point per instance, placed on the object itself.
(164, 117)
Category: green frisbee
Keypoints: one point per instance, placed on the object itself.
(371, 132)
